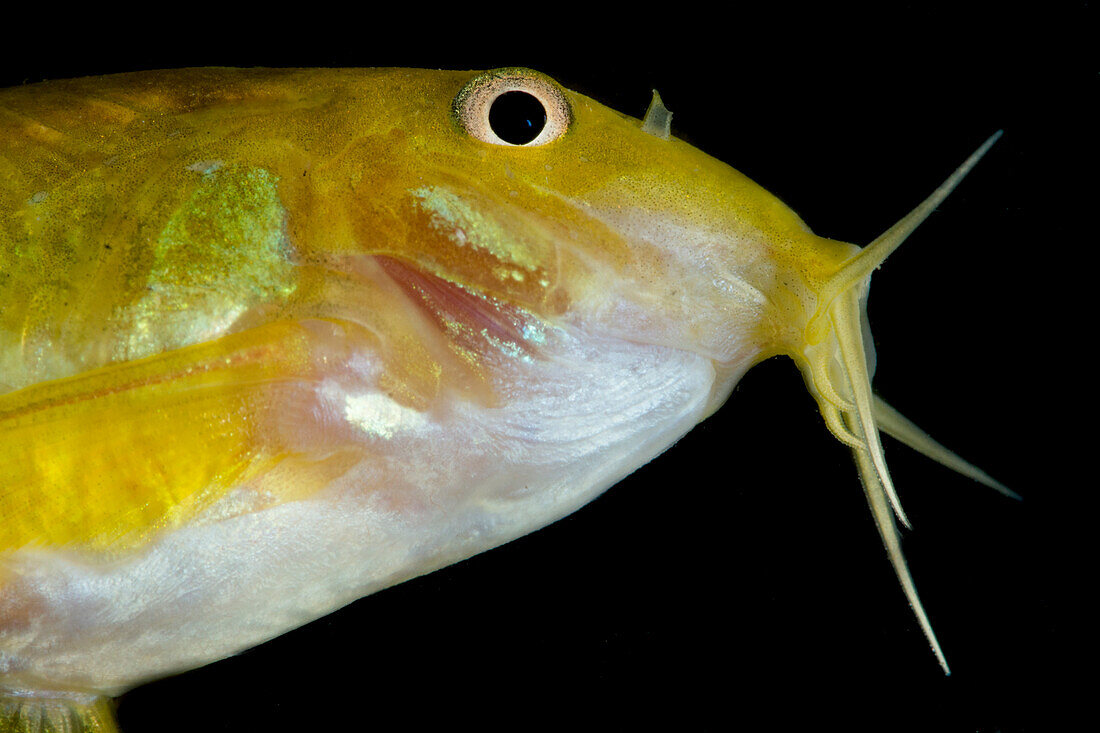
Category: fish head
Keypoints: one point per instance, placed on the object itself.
(537, 196)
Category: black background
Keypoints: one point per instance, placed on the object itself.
(737, 582)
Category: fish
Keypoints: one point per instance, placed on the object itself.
(275, 339)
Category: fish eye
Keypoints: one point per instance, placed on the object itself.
(517, 117)
(513, 107)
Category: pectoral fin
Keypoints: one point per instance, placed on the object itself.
(69, 714)
(105, 459)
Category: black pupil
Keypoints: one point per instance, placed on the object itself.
(517, 117)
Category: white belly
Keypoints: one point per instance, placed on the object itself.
(464, 480)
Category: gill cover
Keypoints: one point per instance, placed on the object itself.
(837, 361)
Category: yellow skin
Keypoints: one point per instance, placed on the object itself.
(185, 254)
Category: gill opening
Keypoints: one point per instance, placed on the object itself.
(838, 361)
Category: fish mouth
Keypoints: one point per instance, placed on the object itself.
(836, 356)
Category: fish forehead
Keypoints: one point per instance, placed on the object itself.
(601, 146)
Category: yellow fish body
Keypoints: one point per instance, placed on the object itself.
(271, 340)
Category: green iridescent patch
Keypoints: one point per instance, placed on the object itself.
(467, 226)
(223, 251)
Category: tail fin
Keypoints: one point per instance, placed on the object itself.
(838, 362)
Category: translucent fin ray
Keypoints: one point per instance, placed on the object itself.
(896, 425)
(70, 714)
(658, 118)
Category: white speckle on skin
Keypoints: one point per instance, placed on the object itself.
(205, 166)
(534, 333)
(377, 415)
